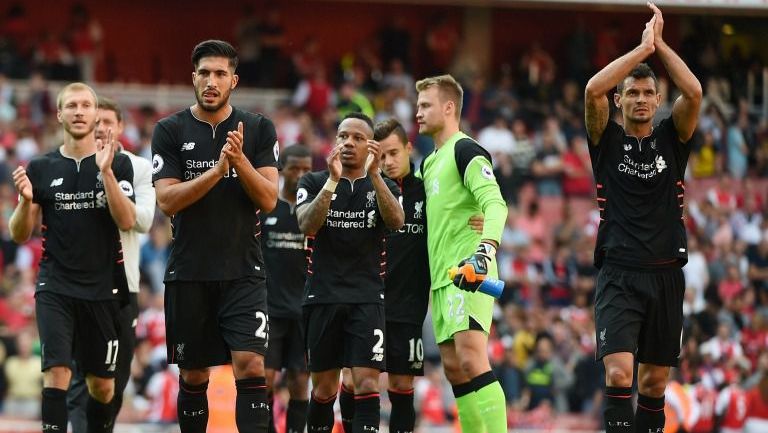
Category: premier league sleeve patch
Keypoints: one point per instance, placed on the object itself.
(126, 188)
(487, 172)
(157, 163)
(276, 150)
(301, 195)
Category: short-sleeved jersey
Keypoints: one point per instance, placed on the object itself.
(731, 407)
(640, 196)
(217, 237)
(82, 256)
(347, 260)
(407, 281)
(454, 176)
(285, 260)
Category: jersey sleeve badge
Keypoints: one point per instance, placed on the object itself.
(157, 163)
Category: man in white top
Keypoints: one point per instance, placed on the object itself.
(111, 117)
(497, 138)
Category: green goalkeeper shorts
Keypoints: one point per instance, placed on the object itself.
(455, 310)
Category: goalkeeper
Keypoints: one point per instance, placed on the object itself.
(459, 182)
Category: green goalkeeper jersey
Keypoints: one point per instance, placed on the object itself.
(459, 183)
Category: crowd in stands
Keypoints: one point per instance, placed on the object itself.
(529, 116)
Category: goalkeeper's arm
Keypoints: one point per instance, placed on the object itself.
(480, 181)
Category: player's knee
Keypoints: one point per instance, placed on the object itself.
(269, 375)
(472, 367)
(195, 377)
(366, 385)
(400, 383)
(347, 380)
(102, 390)
(454, 374)
(298, 385)
(57, 377)
(251, 365)
(652, 383)
(325, 388)
(618, 377)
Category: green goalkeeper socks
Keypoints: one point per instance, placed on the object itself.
(490, 402)
(469, 412)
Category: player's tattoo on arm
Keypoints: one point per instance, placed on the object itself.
(595, 116)
(312, 216)
(389, 206)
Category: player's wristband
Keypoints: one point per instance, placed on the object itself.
(487, 248)
(330, 185)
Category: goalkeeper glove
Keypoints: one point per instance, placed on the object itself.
(472, 271)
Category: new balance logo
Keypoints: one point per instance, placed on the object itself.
(188, 146)
(57, 182)
(378, 357)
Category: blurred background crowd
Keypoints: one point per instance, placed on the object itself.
(525, 106)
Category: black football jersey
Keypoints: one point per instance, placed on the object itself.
(640, 196)
(82, 256)
(407, 281)
(217, 237)
(285, 260)
(347, 260)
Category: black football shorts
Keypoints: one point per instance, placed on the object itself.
(205, 321)
(344, 335)
(640, 312)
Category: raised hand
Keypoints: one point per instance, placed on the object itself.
(647, 39)
(658, 25)
(105, 152)
(374, 149)
(22, 183)
(334, 163)
(222, 167)
(234, 147)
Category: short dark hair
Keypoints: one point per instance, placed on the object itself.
(296, 151)
(214, 48)
(110, 104)
(642, 70)
(388, 127)
(360, 116)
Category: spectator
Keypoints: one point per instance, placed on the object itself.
(705, 158)
(23, 371)
(351, 99)
(577, 169)
(547, 168)
(758, 265)
(736, 147)
(314, 94)
(85, 34)
(248, 46)
(272, 42)
(545, 377)
(696, 278)
(757, 404)
(497, 139)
